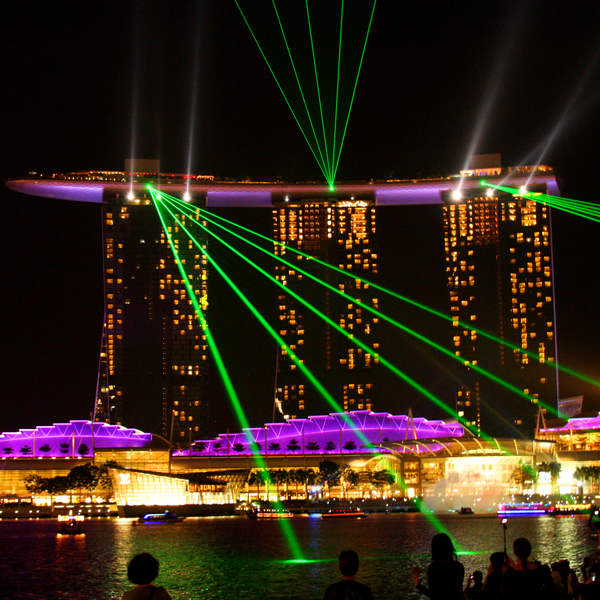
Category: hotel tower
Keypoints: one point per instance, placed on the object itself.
(153, 371)
(341, 233)
(498, 253)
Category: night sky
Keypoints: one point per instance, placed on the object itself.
(74, 79)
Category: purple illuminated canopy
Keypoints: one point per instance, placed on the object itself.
(70, 440)
(583, 423)
(339, 433)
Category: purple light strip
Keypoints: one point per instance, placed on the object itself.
(337, 433)
(260, 195)
(591, 423)
(72, 436)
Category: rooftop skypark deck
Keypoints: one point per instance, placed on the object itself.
(94, 186)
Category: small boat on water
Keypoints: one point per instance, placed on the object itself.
(269, 513)
(341, 513)
(70, 524)
(564, 508)
(523, 509)
(466, 510)
(164, 517)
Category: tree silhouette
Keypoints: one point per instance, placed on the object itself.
(26, 450)
(553, 468)
(350, 445)
(237, 447)
(274, 447)
(83, 477)
(217, 447)
(253, 479)
(349, 479)
(312, 446)
(8, 450)
(83, 449)
(57, 486)
(255, 447)
(64, 448)
(34, 484)
(523, 476)
(199, 446)
(328, 468)
(581, 475)
(45, 448)
(103, 480)
(380, 479)
(329, 446)
(293, 445)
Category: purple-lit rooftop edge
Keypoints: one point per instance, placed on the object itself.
(75, 439)
(356, 432)
(576, 424)
(253, 194)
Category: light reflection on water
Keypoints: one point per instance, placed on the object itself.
(212, 558)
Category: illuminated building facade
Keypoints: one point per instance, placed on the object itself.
(340, 233)
(499, 266)
(154, 355)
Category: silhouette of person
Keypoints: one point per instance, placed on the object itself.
(143, 570)
(445, 574)
(347, 588)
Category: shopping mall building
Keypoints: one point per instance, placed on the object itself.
(435, 460)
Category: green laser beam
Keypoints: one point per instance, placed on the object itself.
(416, 304)
(434, 521)
(432, 518)
(327, 157)
(356, 341)
(337, 87)
(320, 388)
(321, 165)
(299, 84)
(355, 86)
(576, 207)
(233, 397)
(507, 385)
(319, 94)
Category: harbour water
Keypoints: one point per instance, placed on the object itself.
(234, 557)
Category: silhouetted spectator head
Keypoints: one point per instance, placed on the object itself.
(348, 563)
(522, 548)
(477, 576)
(143, 569)
(556, 566)
(497, 560)
(442, 548)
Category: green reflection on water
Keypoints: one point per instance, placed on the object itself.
(301, 561)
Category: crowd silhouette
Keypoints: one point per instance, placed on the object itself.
(507, 578)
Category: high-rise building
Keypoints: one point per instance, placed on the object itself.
(341, 233)
(154, 366)
(499, 264)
